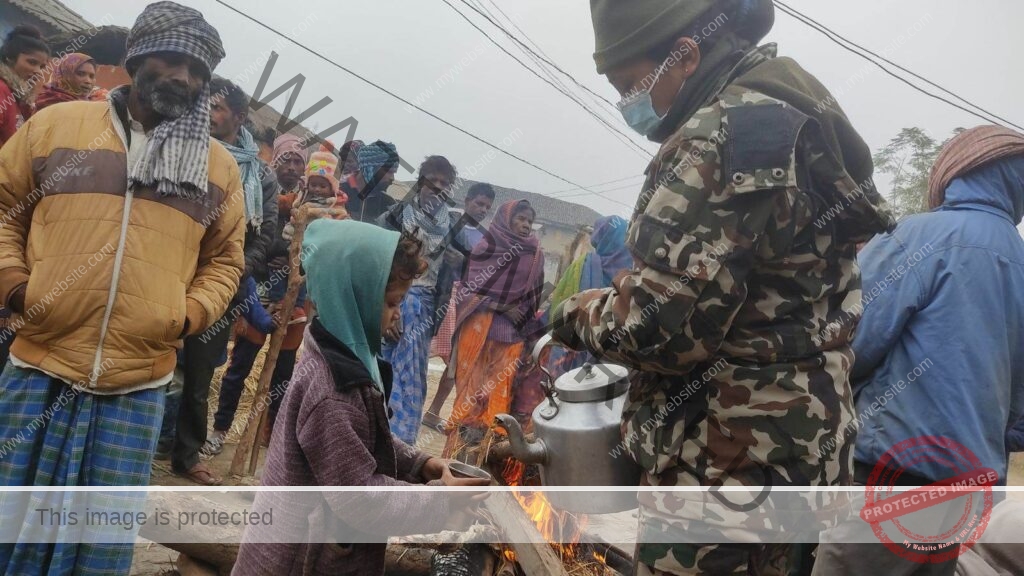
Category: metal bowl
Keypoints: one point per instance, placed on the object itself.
(462, 470)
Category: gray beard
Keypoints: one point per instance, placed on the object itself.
(166, 103)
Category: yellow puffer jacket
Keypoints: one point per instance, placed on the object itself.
(112, 275)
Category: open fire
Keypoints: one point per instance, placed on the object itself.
(561, 529)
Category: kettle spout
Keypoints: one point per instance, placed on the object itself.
(522, 450)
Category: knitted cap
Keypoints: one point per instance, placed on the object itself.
(626, 30)
(323, 163)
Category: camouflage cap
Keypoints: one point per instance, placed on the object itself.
(625, 30)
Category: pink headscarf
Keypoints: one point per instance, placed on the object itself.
(289, 144)
(64, 74)
(506, 265)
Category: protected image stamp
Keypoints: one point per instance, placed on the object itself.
(937, 522)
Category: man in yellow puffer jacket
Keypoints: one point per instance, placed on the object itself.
(121, 232)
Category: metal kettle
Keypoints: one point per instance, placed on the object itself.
(578, 437)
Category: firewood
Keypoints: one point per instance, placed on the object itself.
(535, 556)
(222, 542)
(505, 567)
(407, 560)
(188, 566)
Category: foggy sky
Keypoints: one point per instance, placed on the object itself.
(414, 46)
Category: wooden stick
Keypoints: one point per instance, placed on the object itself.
(248, 446)
(533, 553)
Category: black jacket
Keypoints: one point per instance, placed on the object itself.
(257, 244)
(369, 209)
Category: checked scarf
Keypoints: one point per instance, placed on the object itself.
(246, 154)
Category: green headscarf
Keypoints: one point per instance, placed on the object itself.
(347, 266)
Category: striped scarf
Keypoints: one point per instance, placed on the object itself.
(177, 157)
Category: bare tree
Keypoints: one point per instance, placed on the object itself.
(908, 159)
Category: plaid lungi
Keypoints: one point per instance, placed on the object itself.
(51, 435)
(441, 345)
(408, 358)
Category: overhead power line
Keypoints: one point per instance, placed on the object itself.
(634, 177)
(867, 55)
(625, 138)
(546, 60)
(541, 56)
(481, 5)
(396, 96)
(634, 186)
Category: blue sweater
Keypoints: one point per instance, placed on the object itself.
(940, 350)
(252, 309)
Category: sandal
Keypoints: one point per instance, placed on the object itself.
(433, 422)
(214, 443)
(201, 475)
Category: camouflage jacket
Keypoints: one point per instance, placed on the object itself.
(735, 319)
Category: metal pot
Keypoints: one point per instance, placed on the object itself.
(578, 435)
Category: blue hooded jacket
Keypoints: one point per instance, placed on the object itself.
(940, 348)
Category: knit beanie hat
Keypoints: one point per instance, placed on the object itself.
(323, 163)
(626, 30)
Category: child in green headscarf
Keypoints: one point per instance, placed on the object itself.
(332, 429)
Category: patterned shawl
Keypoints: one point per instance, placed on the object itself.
(504, 267)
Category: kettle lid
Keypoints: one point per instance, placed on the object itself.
(593, 383)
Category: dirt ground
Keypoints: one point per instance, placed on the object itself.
(155, 560)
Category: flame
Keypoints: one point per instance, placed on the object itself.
(561, 529)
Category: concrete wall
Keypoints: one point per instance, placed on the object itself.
(555, 240)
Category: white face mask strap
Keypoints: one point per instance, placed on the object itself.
(636, 93)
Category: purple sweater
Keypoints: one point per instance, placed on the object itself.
(335, 435)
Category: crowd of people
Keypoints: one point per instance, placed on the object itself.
(181, 238)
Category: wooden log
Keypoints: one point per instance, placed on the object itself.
(221, 543)
(256, 423)
(407, 560)
(505, 567)
(535, 556)
(188, 566)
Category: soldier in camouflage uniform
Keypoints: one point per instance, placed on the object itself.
(745, 241)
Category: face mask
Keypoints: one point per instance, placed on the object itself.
(638, 110)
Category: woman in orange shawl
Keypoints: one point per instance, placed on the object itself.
(73, 79)
(498, 299)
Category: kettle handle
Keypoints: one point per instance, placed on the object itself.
(548, 382)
